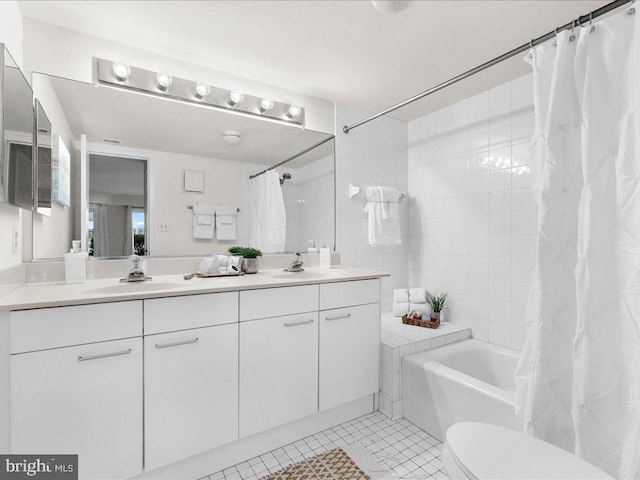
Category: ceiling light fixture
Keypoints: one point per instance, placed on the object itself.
(120, 71)
(163, 81)
(232, 137)
(391, 6)
(202, 91)
(235, 98)
(294, 112)
(125, 77)
(265, 105)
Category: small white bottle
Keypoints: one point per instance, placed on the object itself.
(75, 264)
(312, 248)
(324, 260)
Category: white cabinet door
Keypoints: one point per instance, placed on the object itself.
(84, 400)
(278, 371)
(349, 354)
(191, 392)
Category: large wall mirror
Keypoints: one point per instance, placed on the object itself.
(140, 163)
(16, 134)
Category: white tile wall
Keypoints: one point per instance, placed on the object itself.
(374, 154)
(472, 213)
(308, 199)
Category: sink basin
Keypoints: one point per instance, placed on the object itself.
(307, 275)
(134, 287)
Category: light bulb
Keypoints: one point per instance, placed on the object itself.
(120, 71)
(163, 81)
(294, 111)
(265, 105)
(235, 98)
(202, 90)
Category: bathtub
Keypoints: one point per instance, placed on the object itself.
(465, 381)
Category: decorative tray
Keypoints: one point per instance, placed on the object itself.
(213, 275)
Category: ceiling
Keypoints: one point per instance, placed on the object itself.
(151, 123)
(343, 51)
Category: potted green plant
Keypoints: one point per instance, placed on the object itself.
(437, 303)
(250, 256)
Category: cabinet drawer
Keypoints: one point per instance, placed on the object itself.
(344, 294)
(64, 326)
(274, 302)
(191, 311)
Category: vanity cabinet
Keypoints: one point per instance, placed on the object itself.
(278, 371)
(190, 375)
(349, 342)
(76, 385)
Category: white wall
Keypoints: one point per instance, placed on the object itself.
(65, 53)
(473, 218)
(11, 26)
(374, 154)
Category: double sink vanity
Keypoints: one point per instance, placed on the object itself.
(134, 377)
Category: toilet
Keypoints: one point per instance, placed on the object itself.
(479, 451)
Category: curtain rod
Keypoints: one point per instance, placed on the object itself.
(521, 49)
(292, 158)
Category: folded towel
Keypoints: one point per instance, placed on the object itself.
(400, 309)
(226, 222)
(209, 265)
(417, 295)
(401, 295)
(381, 230)
(204, 209)
(203, 223)
(204, 219)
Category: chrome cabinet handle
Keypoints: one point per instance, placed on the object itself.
(340, 317)
(175, 344)
(103, 355)
(295, 324)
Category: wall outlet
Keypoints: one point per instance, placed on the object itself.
(14, 240)
(163, 227)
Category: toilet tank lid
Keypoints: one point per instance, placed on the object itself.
(486, 451)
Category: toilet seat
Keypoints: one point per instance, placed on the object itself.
(479, 451)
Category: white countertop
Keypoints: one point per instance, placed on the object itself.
(54, 294)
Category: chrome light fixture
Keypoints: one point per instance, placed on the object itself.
(120, 71)
(264, 105)
(294, 112)
(163, 81)
(235, 98)
(122, 76)
(202, 91)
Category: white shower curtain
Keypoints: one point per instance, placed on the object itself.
(578, 379)
(267, 217)
(100, 231)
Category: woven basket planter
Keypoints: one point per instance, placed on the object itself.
(418, 322)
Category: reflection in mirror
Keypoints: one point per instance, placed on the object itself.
(17, 156)
(188, 162)
(117, 199)
(43, 162)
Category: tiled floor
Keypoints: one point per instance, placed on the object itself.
(400, 446)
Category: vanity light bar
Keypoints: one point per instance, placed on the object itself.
(117, 74)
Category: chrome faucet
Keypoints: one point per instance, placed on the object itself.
(296, 265)
(136, 274)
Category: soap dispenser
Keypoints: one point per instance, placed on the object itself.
(324, 259)
(75, 264)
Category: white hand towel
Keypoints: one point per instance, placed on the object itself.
(203, 224)
(417, 295)
(401, 295)
(381, 231)
(226, 222)
(209, 265)
(400, 309)
(420, 307)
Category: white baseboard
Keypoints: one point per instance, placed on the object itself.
(237, 452)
